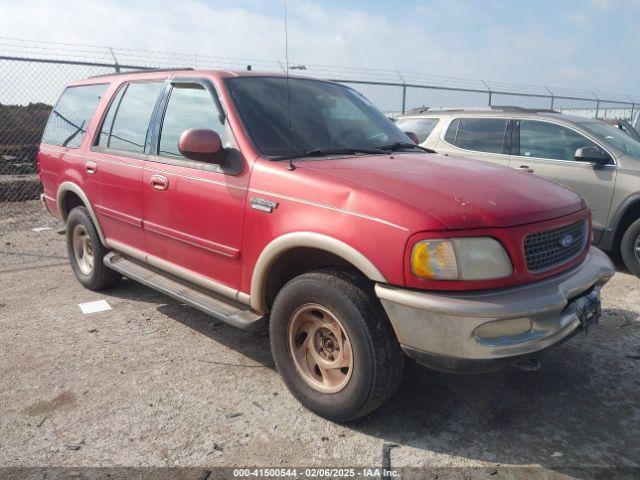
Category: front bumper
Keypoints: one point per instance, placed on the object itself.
(479, 331)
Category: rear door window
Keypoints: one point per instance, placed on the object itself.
(127, 121)
(422, 127)
(489, 135)
(549, 140)
(71, 115)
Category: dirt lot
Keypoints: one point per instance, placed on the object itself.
(154, 383)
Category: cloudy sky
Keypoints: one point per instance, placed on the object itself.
(586, 44)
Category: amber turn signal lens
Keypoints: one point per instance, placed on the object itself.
(473, 258)
(434, 260)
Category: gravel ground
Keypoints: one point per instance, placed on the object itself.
(155, 383)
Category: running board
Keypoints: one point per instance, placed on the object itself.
(233, 313)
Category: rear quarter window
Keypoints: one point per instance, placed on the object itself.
(422, 127)
(70, 117)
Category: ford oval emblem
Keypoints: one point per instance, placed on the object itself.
(567, 241)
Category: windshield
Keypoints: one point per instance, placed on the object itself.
(324, 116)
(614, 136)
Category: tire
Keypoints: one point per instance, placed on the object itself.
(630, 248)
(376, 359)
(87, 253)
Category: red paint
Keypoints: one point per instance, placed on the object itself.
(379, 205)
(199, 142)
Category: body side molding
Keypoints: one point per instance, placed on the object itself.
(292, 240)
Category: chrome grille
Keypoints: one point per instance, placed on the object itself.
(545, 250)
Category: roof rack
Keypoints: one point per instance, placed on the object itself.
(499, 108)
(143, 70)
(419, 110)
(436, 109)
(513, 108)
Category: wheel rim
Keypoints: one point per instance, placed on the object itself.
(636, 249)
(320, 348)
(83, 249)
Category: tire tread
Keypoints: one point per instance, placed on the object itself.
(387, 358)
(102, 277)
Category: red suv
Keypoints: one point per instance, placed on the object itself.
(295, 202)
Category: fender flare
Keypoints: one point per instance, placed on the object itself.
(608, 237)
(274, 250)
(72, 187)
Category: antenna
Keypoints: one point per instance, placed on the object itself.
(291, 166)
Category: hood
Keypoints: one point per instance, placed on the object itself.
(462, 193)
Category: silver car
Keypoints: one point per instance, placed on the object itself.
(597, 160)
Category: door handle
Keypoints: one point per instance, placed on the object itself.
(91, 167)
(159, 182)
(526, 168)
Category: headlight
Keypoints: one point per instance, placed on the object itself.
(475, 258)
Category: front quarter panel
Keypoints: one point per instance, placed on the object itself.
(315, 203)
(627, 181)
(625, 196)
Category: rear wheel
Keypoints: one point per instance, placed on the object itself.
(333, 345)
(86, 252)
(630, 247)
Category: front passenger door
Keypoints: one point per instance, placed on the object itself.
(548, 150)
(193, 210)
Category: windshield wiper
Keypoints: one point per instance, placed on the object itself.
(397, 146)
(320, 152)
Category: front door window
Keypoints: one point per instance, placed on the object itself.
(549, 140)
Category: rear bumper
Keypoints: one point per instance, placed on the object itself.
(480, 331)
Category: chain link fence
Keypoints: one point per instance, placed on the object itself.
(33, 74)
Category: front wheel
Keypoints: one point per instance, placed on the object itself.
(630, 248)
(333, 345)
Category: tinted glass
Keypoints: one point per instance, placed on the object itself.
(126, 127)
(187, 108)
(103, 136)
(548, 140)
(613, 136)
(71, 115)
(422, 127)
(452, 132)
(323, 115)
(482, 134)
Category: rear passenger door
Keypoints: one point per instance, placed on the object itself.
(548, 150)
(194, 210)
(118, 155)
(487, 139)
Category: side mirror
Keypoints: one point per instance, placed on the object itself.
(413, 137)
(203, 145)
(592, 154)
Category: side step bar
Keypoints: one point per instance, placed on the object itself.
(233, 313)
